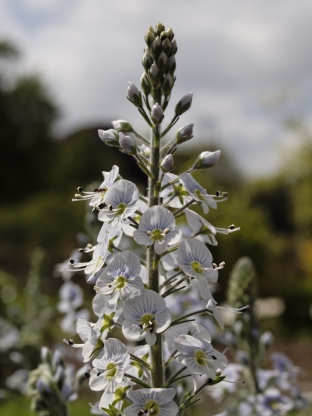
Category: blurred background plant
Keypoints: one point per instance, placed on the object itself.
(38, 225)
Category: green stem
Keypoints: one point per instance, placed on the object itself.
(171, 124)
(183, 208)
(137, 381)
(168, 292)
(169, 184)
(171, 379)
(157, 373)
(172, 357)
(140, 137)
(144, 363)
(189, 315)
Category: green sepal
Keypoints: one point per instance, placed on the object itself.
(217, 380)
(186, 396)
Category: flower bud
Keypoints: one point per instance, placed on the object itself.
(166, 46)
(171, 64)
(134, 95)
(46, 355)
(154, 75)
(122, 125)
(170, 33)
(167, 85)
(162, 61)
(145, 84)
(163, 35)
(156, 113)
(147, 60)
(184, 134)
(156, 46)
(159, 28)
(151, 29)
(127, 144)
(167, 163)
(42, 387)
(266, 339)
(184, 104)
(144, 150)
(149, 37)
(206, 160)
(109, 137)
(174, 47)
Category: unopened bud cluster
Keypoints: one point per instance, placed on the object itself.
(159, 63)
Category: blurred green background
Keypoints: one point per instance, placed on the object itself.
(39, 223)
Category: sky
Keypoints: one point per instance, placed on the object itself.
(248, 64)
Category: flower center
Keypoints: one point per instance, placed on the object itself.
(120, 282)
(152, 408)
(200, 357)
(148, 322)
(199, 195)
(111, 370)
(196, 266)
(120, 209)
(157, 234)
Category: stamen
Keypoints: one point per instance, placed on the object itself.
(231, 227)
(71, 261)
(166, 230)
(149, 232)
(79, 189)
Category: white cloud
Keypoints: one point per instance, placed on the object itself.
(230, 54)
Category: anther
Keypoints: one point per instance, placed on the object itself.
(225, 193)
(214, 265)
(231, 227)
(218, 193)
(79, 189)
(166, 230)
(71, 261)
(87, 375)
(149, 232)
(110, 207)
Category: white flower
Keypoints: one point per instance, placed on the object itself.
(121, 277)
(61, 269)
(93, 340)
(121, 200)
(97, 195)
(114, 232)
(91, 267)
(109, 370)
(273, 403)
(71, 297)
(170, 264)
(202, 227)
(195, 260)
(175, 195)
(212, 305)
(155, 402)
(198, 192)
(206, 160)
(145, 316)
(127, 228)
(199, 356)
(189, 328)
(157, 226)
